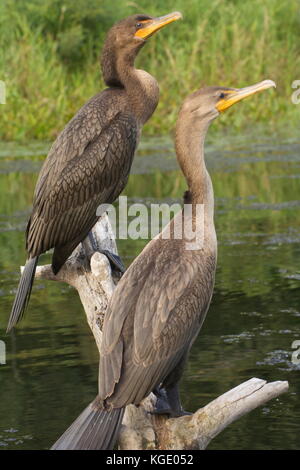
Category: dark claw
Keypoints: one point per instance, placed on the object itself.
(164, 403)
(115, 261)
(173, 397)
(162, 406)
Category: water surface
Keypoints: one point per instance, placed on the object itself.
(52, 361)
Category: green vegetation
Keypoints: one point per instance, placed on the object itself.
(49, 58)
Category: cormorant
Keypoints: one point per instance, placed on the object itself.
(90, 161)
(159, 305)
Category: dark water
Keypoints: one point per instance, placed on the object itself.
(52, 361)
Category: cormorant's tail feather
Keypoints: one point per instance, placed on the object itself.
(23, 292)
(94, 429)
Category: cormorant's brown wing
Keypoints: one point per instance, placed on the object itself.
(81, 130)
(69, 192)
(154, 313)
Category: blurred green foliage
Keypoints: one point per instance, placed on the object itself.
(49, 53)
(51, 372)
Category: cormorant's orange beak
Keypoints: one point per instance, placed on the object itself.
(235, 95)
(151, 26)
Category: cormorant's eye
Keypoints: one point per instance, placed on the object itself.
(138, 25)
(222, 96)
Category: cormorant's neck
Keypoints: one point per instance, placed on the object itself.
(141, 88)
(190, 138)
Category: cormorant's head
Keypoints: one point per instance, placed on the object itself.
(206, 104)
(136, 29)
(126, 38)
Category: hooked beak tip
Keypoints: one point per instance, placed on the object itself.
(239, 94)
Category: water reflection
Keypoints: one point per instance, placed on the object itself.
(51, 370)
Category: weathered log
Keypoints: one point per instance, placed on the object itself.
(90, 273)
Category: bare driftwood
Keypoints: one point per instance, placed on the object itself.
(141, 429)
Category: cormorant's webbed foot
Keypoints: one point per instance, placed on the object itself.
(172, 394)
(168, 402)
(115, 260)
(162, 406)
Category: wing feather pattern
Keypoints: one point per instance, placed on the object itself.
(154, 314)
(88, 171)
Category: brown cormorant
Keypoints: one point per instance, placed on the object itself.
(90, 161)
(160, 303)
